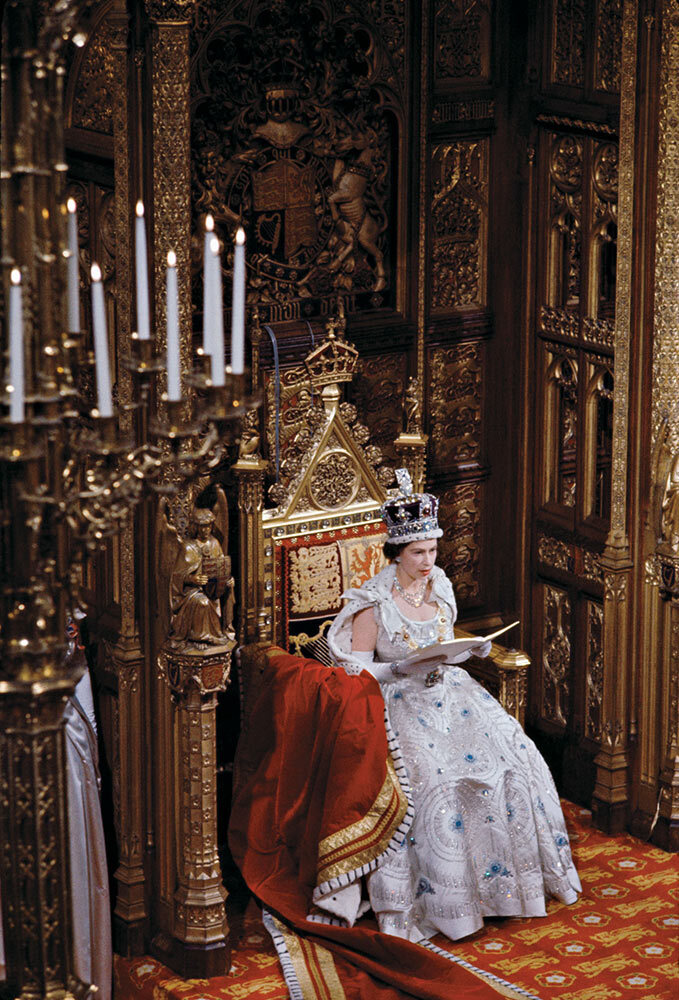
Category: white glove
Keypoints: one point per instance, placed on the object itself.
(482, 650)
(382, 672)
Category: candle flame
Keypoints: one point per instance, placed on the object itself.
(15, 276)
(214, 245)
(171, 259)
(95, 272)
(140, 209)
(70, 205)
(240, 236)
(209, 223)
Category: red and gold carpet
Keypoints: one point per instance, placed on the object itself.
(618, 942)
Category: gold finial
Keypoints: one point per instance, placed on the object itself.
(335, 360)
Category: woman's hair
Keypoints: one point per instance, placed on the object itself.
(392, 549)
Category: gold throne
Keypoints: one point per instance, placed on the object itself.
(325, 532)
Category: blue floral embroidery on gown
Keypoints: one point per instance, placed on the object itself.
(424, 885)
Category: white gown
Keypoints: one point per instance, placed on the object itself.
(488, 837)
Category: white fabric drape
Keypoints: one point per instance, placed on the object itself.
(91, 915)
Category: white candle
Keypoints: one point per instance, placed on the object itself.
(73, 280)
(174, 389)
(103, 372)
(208, 286)
(141, 274)
(238, 306)
(217, 365)
(17, 413)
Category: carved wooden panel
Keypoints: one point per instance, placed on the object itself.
(460, 512)
(565, 556)
(603, 230)
(378, 393)
(575, 223)
(455, 404)
(297, 128)
(576, 315)
(586, 45)
(565, 199)
(92, 82)
(463, 110)
(583, 178)
(568, 41)
(459, 225)
(93, 88)
(599, 436)
(557, 644)
(560, 438)
(462, 41)
(594, 678)
(608, 45)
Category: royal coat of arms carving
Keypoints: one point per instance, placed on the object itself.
(297, 125)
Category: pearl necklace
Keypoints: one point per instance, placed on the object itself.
(416, 598)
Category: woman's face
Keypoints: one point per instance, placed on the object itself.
(417, 559)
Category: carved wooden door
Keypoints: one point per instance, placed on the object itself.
(575, 221)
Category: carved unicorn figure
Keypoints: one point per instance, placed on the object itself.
(352, 172)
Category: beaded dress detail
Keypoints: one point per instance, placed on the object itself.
(488, 837)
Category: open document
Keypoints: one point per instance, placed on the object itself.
(454, 648)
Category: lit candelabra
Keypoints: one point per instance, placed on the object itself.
(69, 475)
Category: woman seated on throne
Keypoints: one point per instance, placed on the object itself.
(488, 836)
(449, 816)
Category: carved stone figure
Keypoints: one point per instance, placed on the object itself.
(195, 574)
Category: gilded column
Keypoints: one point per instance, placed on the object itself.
(664, 562)
(423, 217)
(171, 169)
(200, 947)
(34, 835)
(610, 803)
(126, 656)
(190, 923)
(129, 915)
(249, 470)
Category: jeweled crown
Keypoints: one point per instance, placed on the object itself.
(409, 516)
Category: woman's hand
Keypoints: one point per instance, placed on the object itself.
(426, 666)
(428, 670)
(481, 651)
